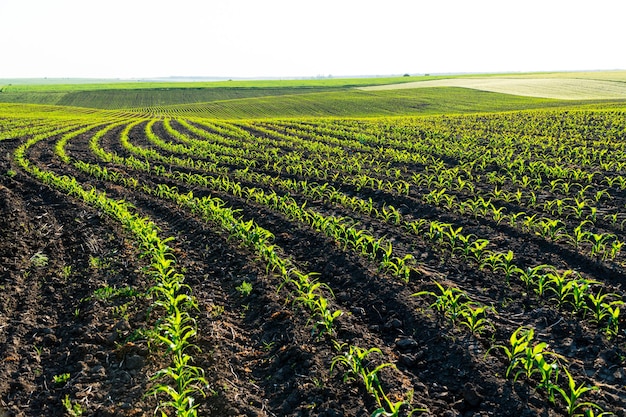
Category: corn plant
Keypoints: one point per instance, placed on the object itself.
(612, 312)
(452, 236)
(513, 217)
(505, 264)
(560, 285)
(73, 409)
(399, 267)
(478, 249)
(355, 361)
(449, 301)
(389, 408)
(498, 214)
(416, 227)
(435, 197)
(571, 397)
(390, 214)
(455, 305)
(474, 316)
(519, 342)
(599, 242)
(552, 229)
(528, 359)
(465, 244)
(616, 248)
(532, 274)
(579, 235)
(578, 290)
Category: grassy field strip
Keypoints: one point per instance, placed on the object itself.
(555, 88)
(616, 75)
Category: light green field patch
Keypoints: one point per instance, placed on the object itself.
(615, 75)
(557, 88)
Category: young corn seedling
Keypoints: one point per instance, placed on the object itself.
(73, 409)
(399, 267)
(572, 396)
(188, 380)
(450, 302)
(326, 317)
(452, 235)
(356, 361)
(497, 214)
(542, 284)
(506, 265)
(529, 275)
(390, 214)
(579, 235)
(549, 375)
(602, 194)
(616, 248)
(450, 201)
(532, 200)
(513, 217)
(529, 223)
(393, 409)
(552, 229)
(528, 359)
(534, 362)
(612, 313)
(416, 227)
(491, 260)
(579, 293)
(478, 249)
(474, 316)
(596, 305)
(578, 209)
(519, 343)
(560, 285)
(435, 197)
(485, 206)
(436, 231)
(599, 242)
(386, 254)
(464, 244)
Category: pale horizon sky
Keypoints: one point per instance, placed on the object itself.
(291, 38)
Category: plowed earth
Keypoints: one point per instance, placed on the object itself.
(258, 351)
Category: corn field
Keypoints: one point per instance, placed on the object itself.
(428, 266)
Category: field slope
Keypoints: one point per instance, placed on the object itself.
(556, 88)
(358, 97)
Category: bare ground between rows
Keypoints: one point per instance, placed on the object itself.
(55, 253)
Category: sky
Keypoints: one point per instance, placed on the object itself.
(304, 38)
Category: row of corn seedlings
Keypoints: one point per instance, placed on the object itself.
(604, 246)
(566, 288)
(181, 382)
(541, 366)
